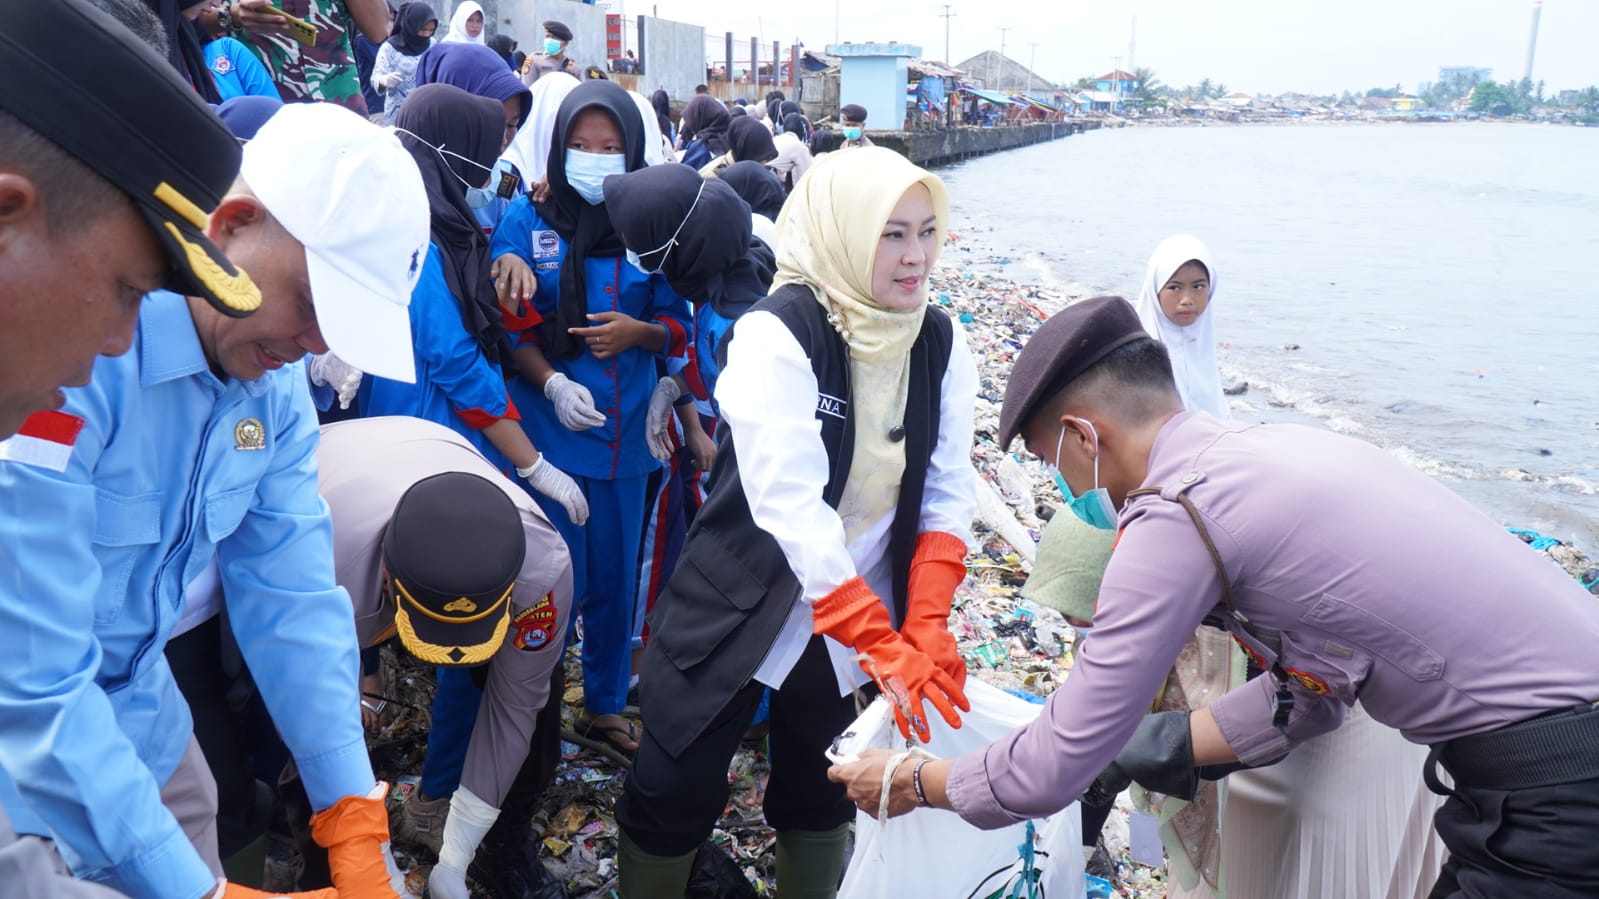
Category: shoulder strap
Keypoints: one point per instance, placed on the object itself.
(1204, 536)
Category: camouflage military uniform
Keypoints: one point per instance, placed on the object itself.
(324, 72)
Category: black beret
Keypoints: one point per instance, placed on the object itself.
(88, 85)
(558, 30)
(1062, 349)
(853, 113)
(453, 550)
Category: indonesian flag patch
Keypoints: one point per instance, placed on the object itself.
(45, 441)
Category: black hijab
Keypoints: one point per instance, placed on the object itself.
(184, 49)
(799, 126)
(750, 140)
(707, 120)
(410, 20)
(774, 110)
(586, 229)
(757, 186)
(504, 45)
(716, 259)
(445, 116)
(787, 108)
(663, 110)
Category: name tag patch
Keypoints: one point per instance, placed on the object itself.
(831, 405)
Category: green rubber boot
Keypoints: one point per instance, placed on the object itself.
(645, 876)
(810, 863)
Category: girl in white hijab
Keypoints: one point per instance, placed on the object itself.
(461, 26)
(530, 151)
(1174, 305)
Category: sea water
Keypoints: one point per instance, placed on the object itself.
(1431, 288)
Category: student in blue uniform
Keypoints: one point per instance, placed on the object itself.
(479, 70)
(593, 334)
(199, 445)
(236, 71)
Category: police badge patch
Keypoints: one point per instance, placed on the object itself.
(536, 626)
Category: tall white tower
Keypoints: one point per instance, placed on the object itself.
(1532, 38)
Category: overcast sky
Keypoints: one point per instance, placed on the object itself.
(1271, 46)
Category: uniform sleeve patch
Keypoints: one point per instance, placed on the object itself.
(45, 440)
(537, 626)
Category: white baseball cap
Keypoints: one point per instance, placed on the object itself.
(346, 190)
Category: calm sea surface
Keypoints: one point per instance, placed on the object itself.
(1441, 282)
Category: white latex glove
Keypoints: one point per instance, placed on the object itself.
(470, 819)
(555, 484)
(447, 882)
(574, 405)
(658, 422)
(345, 379)
(392, 80)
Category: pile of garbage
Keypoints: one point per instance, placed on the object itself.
(1007, 641)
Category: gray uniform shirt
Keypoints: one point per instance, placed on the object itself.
(1363, 577)
(365, 466)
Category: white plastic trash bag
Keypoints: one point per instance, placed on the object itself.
(932, 852)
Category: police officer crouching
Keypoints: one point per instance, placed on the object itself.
(437, 547)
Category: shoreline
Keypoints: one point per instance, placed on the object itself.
(998, 314)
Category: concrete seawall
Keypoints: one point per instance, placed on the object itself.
(931, 148)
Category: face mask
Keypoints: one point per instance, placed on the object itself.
(665, 249)
(501, 182)
(586, 173)
(1093, 507)
(551, 46)
(502, 186)
(852, 134)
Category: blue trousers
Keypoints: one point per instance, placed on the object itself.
(605, 553)
(455, 703)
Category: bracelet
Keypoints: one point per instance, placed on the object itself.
(916, 782)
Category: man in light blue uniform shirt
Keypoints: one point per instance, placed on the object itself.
(199, 444)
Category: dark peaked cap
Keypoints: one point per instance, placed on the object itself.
(89, 86)
(558, 30)
(1062, 349)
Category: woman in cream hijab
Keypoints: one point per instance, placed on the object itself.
(829, 551)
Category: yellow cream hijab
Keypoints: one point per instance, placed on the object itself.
(827, 239)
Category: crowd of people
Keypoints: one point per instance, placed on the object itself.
(536, 363)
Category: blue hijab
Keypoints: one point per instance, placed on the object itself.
(475, 69)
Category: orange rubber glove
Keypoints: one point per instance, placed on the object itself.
(354, 832)
(227, 890)
(937, 568)
(854, 616)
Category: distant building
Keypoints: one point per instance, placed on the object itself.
(997, 72)
(1117, 82)
(1469, 75)
(1406, 104)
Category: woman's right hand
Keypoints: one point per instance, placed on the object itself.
(514, 283)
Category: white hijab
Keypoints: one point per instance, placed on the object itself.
(458, 33)
(530, 151)
(1192, 347)
(654, 144)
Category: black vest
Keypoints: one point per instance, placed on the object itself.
(733, 590)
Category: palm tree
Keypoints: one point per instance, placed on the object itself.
(1147, 85)
(1588, 100)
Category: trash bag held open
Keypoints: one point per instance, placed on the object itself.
(932, 852)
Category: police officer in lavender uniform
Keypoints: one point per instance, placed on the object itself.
(1343, 572)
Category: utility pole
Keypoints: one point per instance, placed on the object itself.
(1002, 33)
(1032, 59)
(947, 15)
(1116, 83)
